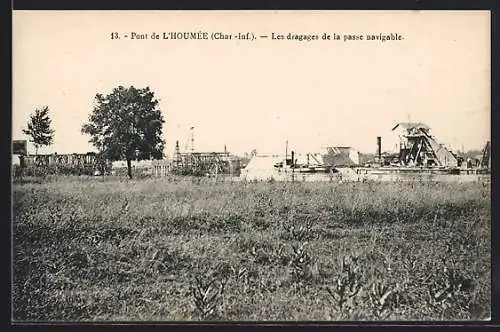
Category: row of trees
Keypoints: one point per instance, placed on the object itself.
(123, 125)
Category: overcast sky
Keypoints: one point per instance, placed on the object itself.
(257, 94)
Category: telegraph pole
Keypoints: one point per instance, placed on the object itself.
(192, 139)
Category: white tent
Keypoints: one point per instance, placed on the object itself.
(261, 168)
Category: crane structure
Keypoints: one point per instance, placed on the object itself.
(195, 163)
(419, 148)
(486, 158)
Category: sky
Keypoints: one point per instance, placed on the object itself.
(259, 94)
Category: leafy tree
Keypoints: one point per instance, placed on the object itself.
(39, 128)
(126, 124)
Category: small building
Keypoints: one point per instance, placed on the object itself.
(340, 156)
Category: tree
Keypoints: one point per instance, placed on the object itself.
(126, 124)
(39, 128)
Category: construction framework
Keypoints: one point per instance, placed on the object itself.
(486, 157)
(83, 162)
(204, 163)
(419, 148)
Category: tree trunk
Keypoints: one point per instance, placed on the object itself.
(37, 161)
(129, 168)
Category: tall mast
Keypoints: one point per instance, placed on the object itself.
(192, 139)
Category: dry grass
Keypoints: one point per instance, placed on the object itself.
(109, 249)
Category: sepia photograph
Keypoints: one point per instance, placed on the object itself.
(256, 166)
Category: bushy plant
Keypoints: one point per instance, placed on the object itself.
(90, 248)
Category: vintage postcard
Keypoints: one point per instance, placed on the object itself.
(251, 166)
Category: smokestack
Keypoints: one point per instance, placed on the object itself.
(177, 149)
(286, 154)
(379, 148)
(293, 160)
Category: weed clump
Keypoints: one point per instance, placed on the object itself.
(82, 251)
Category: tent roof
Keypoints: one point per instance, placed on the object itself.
(263, 162)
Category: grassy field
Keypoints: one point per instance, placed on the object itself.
(110, 249)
